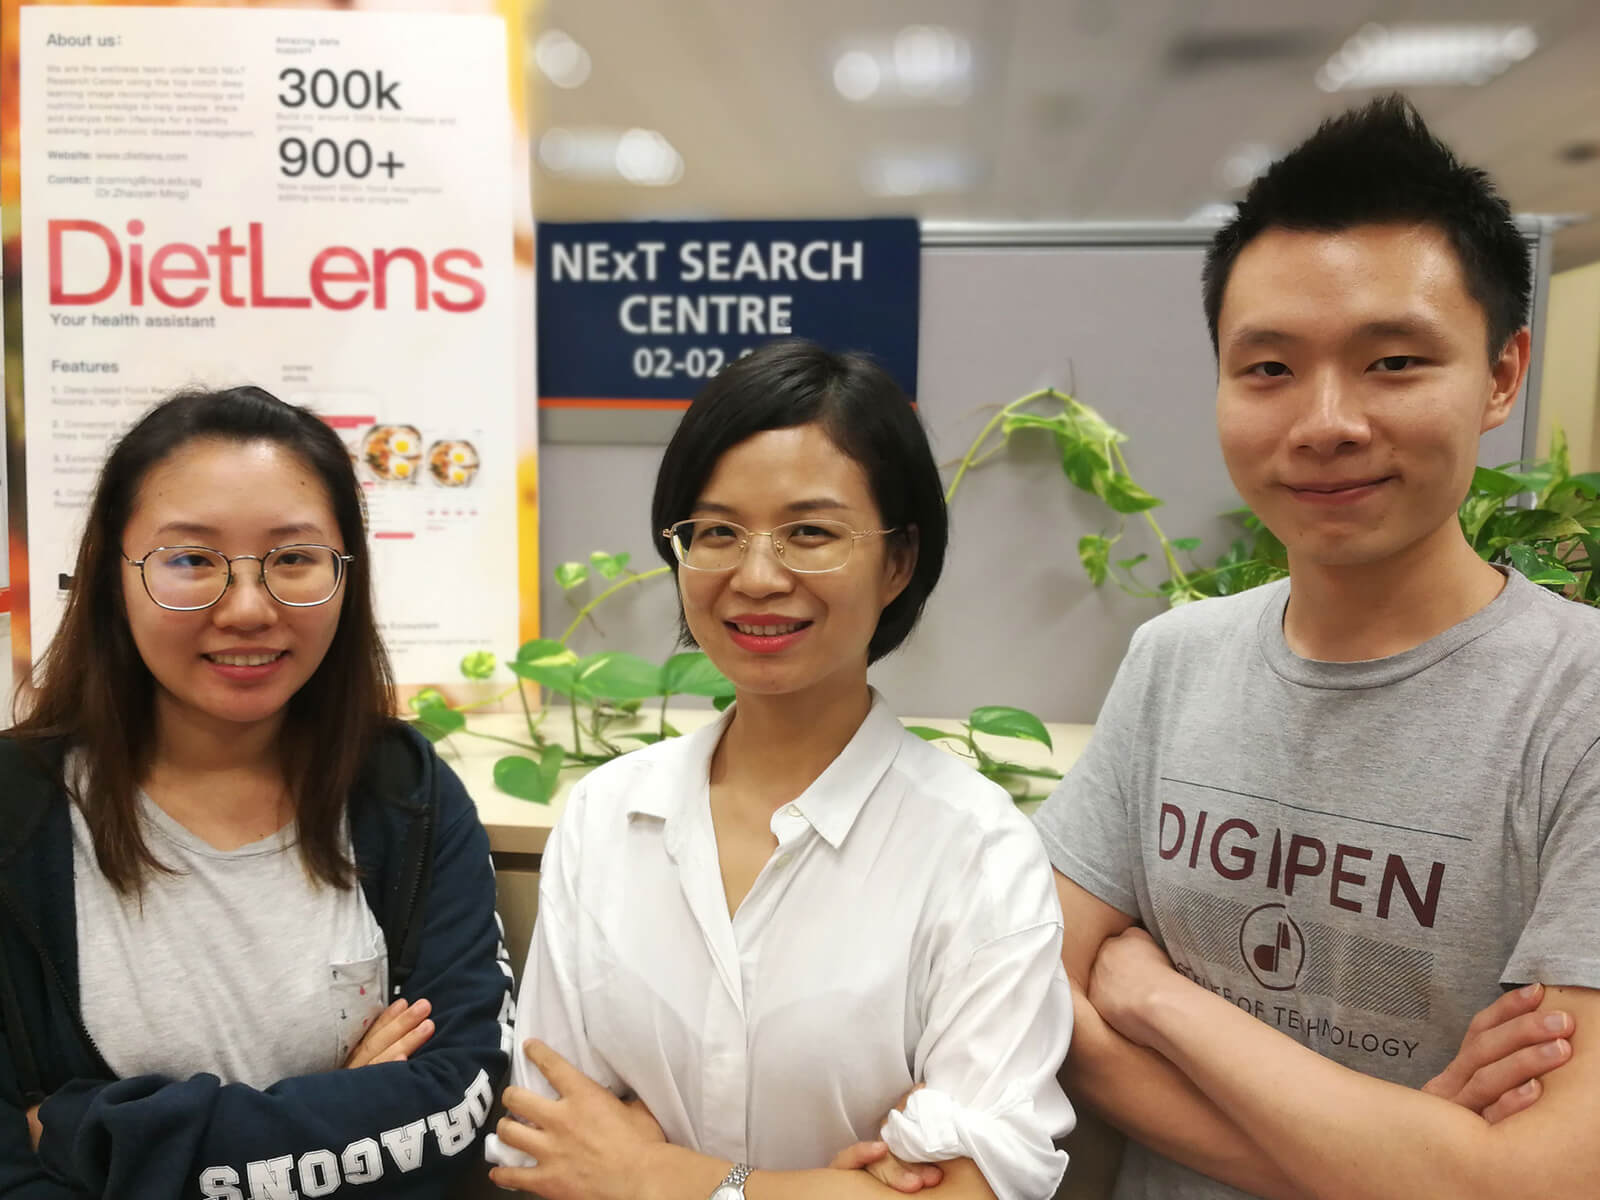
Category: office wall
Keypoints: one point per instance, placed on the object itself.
(1111, 314)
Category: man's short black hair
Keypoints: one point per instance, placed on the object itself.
(863, 412)
(1379, 164)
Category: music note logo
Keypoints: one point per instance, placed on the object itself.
(1272, 946)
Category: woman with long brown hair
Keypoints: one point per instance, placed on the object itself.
(220, 856)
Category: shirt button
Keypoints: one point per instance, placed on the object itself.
(790, 810)
(783, 859)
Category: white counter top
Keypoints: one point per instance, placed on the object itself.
(521, 827)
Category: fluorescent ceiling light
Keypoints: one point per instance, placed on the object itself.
(1214, 213)
(1380, 56)
(638, 156)
(919, 64)
(564, 62)
(917, 173)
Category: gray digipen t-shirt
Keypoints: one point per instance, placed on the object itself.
(1360, 854)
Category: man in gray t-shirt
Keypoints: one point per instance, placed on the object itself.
(1349, 809)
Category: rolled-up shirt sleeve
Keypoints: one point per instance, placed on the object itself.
(1000, 1020)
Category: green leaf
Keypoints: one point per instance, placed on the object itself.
(1094, 552)
(929, 734)
(518, 775)
(1126, 496)
(1538, 568)
(570, 574)
(551, 759)
(1058, 425)
(618, 675)
(1001, 721)
(479, 664)
(692, 674)
(549, 663)
(1085, 464)
(1128, 564)
(1185, 543)
(721, 703)
(437, 719)
(1589, 482)
(649, 739)
(1498, 484)
(426, 697)
(1530, 525)
(609, 565)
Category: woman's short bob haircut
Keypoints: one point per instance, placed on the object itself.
(863, 412)
(96, 694)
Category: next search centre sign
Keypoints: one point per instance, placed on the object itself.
(639, 314)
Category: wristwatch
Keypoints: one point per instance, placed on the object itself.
(732, 1187)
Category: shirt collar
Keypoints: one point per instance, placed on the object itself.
(830, 805)
(686, 774)
(836, 797)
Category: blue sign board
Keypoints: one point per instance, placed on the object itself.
(639, 314)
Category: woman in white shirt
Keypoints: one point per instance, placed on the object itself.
(766, 933)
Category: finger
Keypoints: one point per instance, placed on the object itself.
(1487, 1050)
(408, 1045)
(862, 1154)
(530, 1106)
(1511, 1004)
(519, 1136)
(562, 1075)
(378, 1041)
(1513, 1102)
(891, 1171)
(516, 1179)
(1489, 1083)
(364, 1050)
(387, 1015)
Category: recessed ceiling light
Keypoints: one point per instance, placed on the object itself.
(1379, 56)
(646, 157)
(856, 75)
(919, 64)
(564, 62)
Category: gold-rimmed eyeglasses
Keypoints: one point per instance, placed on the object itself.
(188, 578)
(805, 547)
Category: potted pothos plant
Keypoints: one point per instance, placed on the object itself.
(1537, 517)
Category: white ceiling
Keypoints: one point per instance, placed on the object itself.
(1091, 110)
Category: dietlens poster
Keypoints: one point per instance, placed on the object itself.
(320, 203)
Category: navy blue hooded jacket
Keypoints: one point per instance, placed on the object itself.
(380, 1132)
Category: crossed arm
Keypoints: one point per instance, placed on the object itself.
(591, 1146)
(1196, 1079)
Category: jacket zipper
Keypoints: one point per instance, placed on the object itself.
(411, 896)
(29, 932)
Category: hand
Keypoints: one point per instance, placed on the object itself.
(876, 1159)
(35, 1130)
(588, 1145)
(1128, 971)
(395, 1036)
(1507, 1047)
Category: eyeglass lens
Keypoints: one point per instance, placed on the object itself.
(193, 577)
(710, 545)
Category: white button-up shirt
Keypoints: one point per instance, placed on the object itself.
(906, 930)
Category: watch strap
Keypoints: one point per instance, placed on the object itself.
(734, 1180)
